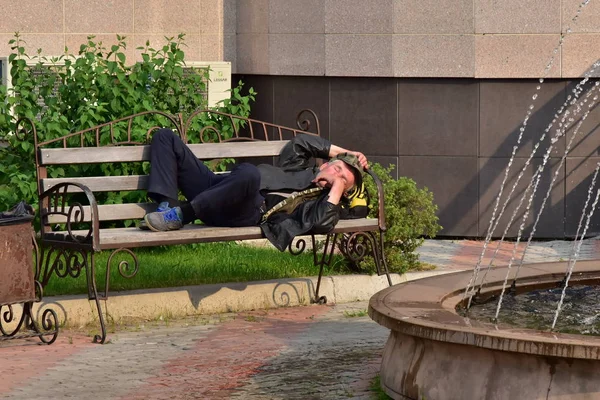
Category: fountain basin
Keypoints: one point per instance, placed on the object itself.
(434, 353)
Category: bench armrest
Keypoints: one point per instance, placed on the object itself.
(54, 202)
(380, 198)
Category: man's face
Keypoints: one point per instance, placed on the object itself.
(334, 170)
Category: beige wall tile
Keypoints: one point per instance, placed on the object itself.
(358, 55)
(516, 56)
(157, 16)
(293, 16)
(51, 44)
(252, 53)
(359, 16)
(579, 53)
(192, 47)
(74, 41)
(517, 16)
(433, 16)
(586, 20)
(92, 16)
(434, 56)
(252, 16)
(213, 48)
(300, 54)
(218, 16)
(38, 16)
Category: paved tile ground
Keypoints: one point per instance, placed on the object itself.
(315, 352)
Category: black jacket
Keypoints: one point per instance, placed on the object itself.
(294, 173)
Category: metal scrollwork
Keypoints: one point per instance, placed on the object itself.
(303, 120)
(63, 262)
(76, 215)
(282, 298)
(49, 324)
(126, 270)
(356, 246)
(298, 247)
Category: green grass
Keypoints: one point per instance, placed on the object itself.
(356, 313)
(378, 392)
(195, 264)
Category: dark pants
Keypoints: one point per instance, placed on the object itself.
(217, 199)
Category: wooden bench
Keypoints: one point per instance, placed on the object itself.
(74, 225)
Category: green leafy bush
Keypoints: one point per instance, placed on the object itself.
(97, 84)
(409, 215)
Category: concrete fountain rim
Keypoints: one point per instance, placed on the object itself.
(425, 308)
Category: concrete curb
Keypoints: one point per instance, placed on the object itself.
(219, 298)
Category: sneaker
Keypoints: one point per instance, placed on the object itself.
(161, 221)
(164, 206)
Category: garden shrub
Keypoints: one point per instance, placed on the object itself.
(409, 215)
(72, 92)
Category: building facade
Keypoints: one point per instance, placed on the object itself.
(439, 88)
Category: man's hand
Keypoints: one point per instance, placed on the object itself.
(335, 150)
(362, 159)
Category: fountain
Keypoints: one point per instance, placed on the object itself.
(438, 350)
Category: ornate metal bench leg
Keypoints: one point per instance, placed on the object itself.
(379, 254)
(356, 246)
(93, 295)
(324, 260)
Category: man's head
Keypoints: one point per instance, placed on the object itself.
(344, 166)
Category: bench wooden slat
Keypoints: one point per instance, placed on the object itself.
(133, 237)
(110, 212)
(205, 151)
(101, 183)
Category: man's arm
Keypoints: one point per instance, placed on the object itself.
(301, 149)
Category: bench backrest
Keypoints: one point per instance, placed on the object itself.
(248, 138)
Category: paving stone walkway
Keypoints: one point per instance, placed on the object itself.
(315, 352)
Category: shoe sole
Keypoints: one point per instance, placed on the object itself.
(153, 229)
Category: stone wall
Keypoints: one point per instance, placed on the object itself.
(425, 38)
(454, 136)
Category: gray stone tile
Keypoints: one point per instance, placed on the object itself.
(453, 182)
(434, 56)
(517, 16)
(579, 172)
(297, 54)
(253, 16)
(292, 16)
(363, 115)
(252, 53)
(293, 94)
(438, 117)
(358, 55)
(218, 17)
(434, 16)
(491, 174)
(503, 108)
